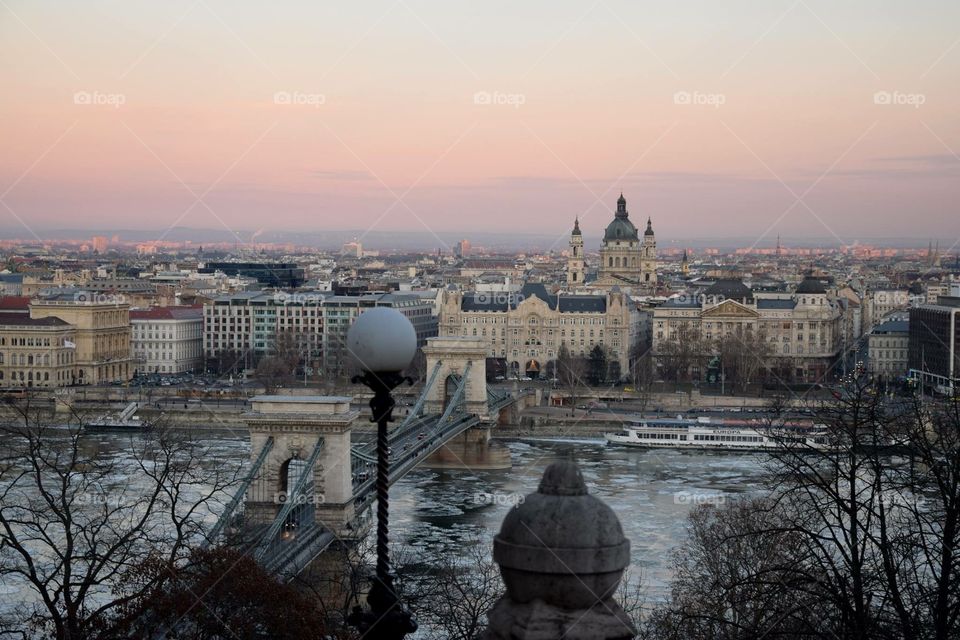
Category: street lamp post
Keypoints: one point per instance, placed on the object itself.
(383, 343)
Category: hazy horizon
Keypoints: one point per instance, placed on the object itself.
(798, 117)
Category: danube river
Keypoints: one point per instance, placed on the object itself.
(438, 512)
(652, 491)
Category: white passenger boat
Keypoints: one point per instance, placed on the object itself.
(703, 434)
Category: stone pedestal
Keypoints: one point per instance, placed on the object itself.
(538, 620)
(473, 449)
(562, 554)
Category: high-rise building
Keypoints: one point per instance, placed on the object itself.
(99, 243)
(462, 250)
(353, 249)
(934, 352)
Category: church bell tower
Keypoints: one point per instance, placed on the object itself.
(575, 267)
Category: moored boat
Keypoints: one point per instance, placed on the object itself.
(703, 434)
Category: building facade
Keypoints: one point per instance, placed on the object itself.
(339, 312)
(247, 326)
(803, 331)
(240, 329)
(888, 347)
(934, 351)
(167, 339)
(102, 334)
(36, 352)
(528, 328)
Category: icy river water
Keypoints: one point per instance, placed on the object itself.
(652, 491)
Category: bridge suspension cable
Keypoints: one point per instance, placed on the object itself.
(418, 406)
(238, 496)
(457, 398)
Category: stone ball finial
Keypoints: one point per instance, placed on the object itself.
(563, 479)
(561, 545)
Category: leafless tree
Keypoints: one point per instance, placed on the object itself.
(736, 577)
(863, 530)
(643, 374)
(77, 522)
(451, 595)
(680, 352)
(743, 355)
(571, 370)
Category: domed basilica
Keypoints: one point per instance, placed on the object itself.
(625, 259)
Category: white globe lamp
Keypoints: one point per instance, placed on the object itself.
(382, 340)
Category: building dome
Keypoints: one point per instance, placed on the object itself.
(729, 289)
(811, 285)
(576, 227)
(621, 228)
(649, 231)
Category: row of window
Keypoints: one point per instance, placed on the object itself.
(31, 342)
(718, 438)
(62, 357)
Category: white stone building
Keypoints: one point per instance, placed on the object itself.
(167, 339)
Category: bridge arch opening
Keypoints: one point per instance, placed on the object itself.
(290, 473)
(449, 389)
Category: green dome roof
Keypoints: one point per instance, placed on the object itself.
(621, 228)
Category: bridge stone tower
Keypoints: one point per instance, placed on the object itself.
(454, 353)
(473, 449)
(296, 424)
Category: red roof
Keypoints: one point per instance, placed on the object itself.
(194, 312)
(15, 303)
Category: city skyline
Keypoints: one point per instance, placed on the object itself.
(798, 118)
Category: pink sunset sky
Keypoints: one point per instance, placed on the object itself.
(807, 118)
